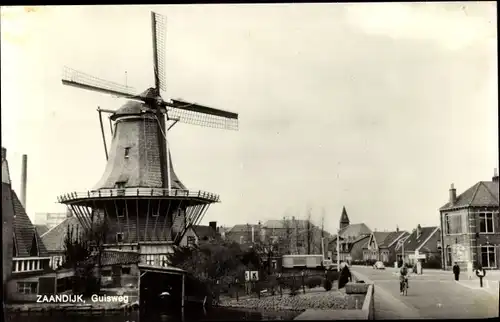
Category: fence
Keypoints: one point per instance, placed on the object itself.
(279, 284)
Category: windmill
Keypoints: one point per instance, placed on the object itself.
(176, 109)
(139, 185)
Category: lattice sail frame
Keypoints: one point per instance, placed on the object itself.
(160, 33)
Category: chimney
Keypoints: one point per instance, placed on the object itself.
(4, 153)
(495, 175)
(419, 230)
(453, 194)
(213, 225)
(397, 229)
(24, 179)
(253, 234)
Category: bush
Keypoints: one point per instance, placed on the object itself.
(314, 281)
(327, 285)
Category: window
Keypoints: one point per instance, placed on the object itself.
(191, 240)
(488, 257)
(486, 222)
(127, 151)
(453, 224)
(274, 264)
(119, 237)
(125, 270)
(27, 287)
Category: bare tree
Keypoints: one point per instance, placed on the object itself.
(309, 231)
(287, 227)
(322, 232)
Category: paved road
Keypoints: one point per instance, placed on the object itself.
(434, 295)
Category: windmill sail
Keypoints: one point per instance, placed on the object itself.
(79, 79)
(158, 25)
(197, 114)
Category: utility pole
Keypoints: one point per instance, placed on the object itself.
(338, 250)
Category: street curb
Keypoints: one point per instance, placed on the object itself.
(405, 311)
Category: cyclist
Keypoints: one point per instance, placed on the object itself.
(403, 277)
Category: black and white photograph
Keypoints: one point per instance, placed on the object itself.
(254, 161)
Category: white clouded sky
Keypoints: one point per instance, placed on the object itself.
(378, 107)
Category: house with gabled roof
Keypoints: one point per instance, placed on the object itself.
(54, 239)
(196, 234)
(379, 246)
(349, 235)
(29, 272)
(470, 226)
(424, 245)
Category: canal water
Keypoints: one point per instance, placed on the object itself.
(191, 315)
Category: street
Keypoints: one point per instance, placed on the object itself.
(434, 295)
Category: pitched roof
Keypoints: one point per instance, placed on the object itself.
(355, 230)
(344, 219)
(413, 242)
(205, 231)
(41, 229)
(5, 167)
(54, 237)
(359, 243)
(482, 194)
(396, 244)
(385, 239)
(242, 228)
(280, 224)
(24, 231)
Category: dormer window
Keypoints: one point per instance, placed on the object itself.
(127, 150)
(119, 237)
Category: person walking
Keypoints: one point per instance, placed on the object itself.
(456, 271)
(345, 276)
(481, 273)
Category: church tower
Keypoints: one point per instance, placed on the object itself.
(344, 219)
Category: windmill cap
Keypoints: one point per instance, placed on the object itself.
(129, 108)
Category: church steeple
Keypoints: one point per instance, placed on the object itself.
(344, 219)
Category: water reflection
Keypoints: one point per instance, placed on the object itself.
(187, 315)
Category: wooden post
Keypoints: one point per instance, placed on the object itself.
(237, 287)
(303, 285)
(102, 131)
(183, 291)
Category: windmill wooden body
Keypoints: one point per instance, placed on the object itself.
(145, 205)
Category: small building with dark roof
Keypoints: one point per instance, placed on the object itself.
(348, 235)
(196, 234)
(379, 246)
(423, 244)
(470, 226)
(54, 239)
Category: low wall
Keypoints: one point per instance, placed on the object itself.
(354, 291)
(369, 303)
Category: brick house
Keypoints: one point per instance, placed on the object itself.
(470, 226)
(380, 246)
